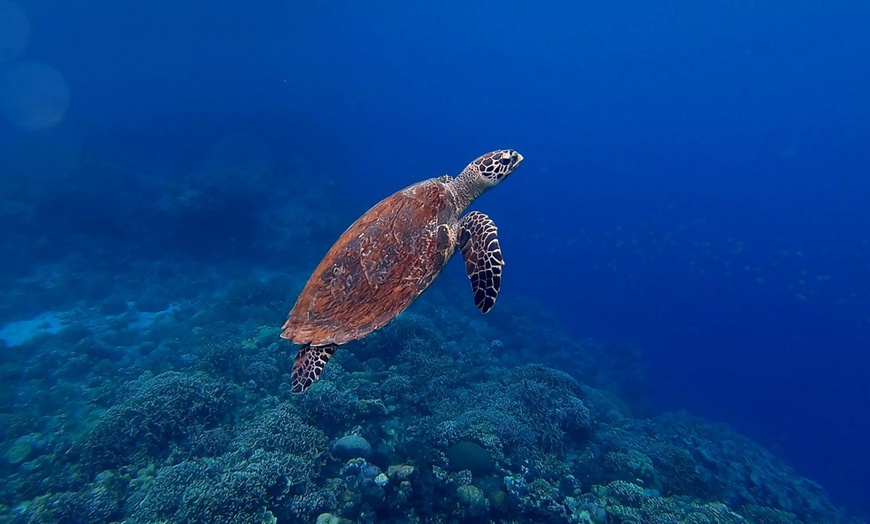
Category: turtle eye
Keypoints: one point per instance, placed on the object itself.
(505, 160)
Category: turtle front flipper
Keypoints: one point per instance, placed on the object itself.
(478, 241)
(309, 365)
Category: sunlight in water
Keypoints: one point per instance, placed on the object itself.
(33, 95)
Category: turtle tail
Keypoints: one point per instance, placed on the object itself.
(309, 365)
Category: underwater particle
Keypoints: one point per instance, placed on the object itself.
(468, 455)
(14, 31)
(21, 450)
(390, 255)
(33, 95)
(351, 446)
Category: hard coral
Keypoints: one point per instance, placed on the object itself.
(281, 429)
(156, 412)
(709, 462)
(329, 402)
(236, 487)
(351, 446)
(497, 430)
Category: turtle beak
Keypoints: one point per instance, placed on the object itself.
(519, 158)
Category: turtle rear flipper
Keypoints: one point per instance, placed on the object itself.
(309, 364)
(478, 241)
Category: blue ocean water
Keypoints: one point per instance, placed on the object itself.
(694, 184)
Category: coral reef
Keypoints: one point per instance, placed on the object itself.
(351, 446)
(413, 425)
(157, 413)
(175, 406)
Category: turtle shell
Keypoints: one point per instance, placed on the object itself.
(377, 267)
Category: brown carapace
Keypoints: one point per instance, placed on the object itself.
(390, 255)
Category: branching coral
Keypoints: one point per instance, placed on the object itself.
(157, 412)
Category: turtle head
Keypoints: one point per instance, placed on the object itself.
(496, 166)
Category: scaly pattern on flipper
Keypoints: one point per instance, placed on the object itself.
(478, 241)
(309, 365)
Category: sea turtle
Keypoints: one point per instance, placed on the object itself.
(390, 255)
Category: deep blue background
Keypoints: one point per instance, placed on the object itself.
(695, 180)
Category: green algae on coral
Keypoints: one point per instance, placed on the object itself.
(470, 456)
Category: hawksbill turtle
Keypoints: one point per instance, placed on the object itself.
(390, 255)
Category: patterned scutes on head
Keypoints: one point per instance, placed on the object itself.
(499, 164)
